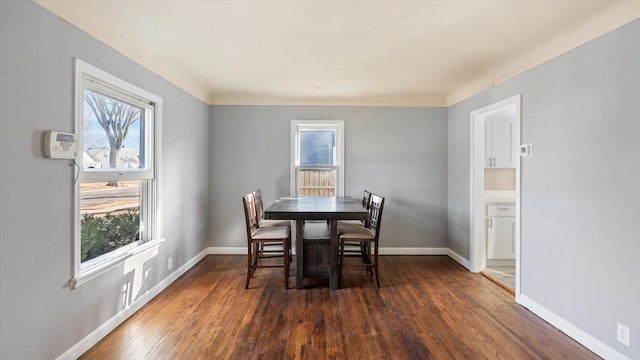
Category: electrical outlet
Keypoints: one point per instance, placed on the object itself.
(624, 334)
(170, 263)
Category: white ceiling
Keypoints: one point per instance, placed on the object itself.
(385, 52)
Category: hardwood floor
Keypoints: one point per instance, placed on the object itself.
(428, 307)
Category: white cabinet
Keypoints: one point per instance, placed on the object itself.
(499, 147)
(501, 232)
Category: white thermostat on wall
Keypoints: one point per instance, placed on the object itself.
(526, 150)
(60, 145)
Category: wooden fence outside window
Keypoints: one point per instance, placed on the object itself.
(317, 181)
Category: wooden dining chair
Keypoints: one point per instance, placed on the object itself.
(358, 249)
(256, 236)
(368, 235)
(268, 248)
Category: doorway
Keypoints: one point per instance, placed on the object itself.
(479, 162)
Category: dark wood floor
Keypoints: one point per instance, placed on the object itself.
(428, 307)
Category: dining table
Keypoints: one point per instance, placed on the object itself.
(317, 254)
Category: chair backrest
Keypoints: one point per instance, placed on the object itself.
(248, 201)
(366, 202)
(257, 195)
(366, 198)
(375, 213)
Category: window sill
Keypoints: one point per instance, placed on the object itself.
(101, 266)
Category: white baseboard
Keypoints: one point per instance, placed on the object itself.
(459, 259)
(383, 251)
(90, 340)
(412, 251)
(579, 335)
(242, 250)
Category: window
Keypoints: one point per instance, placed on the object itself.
(317, 158)
(115, 191)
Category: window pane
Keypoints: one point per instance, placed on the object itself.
(113, 133)
(110, 216)
(317, 147)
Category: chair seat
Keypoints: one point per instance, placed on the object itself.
(350, 223)
(271, 223)
(271, 233)
(355, 232)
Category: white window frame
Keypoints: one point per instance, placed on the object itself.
(90, 77)
(296, 126)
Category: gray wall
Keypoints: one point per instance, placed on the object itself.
(399, 153)
(580, 194)
(40, 316)
(579, 205)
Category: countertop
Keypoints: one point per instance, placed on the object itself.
(499, 196)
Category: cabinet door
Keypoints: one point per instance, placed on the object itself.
(501, 237)
(499, 143)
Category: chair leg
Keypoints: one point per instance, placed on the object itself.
(286, 259)
(249, 267)
(290, 252)
(370, 261)
(340, 262)
(255, 256)
(375, 267)
(366, 257)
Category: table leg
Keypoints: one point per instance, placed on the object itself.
(333, 258)
(299, 257)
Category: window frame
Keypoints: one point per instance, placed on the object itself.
(93, 78)
(338, 127)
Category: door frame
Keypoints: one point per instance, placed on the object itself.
(477, 211)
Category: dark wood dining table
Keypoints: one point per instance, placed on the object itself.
(328, 209)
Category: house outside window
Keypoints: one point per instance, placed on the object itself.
(115, 191)
(317, 150)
